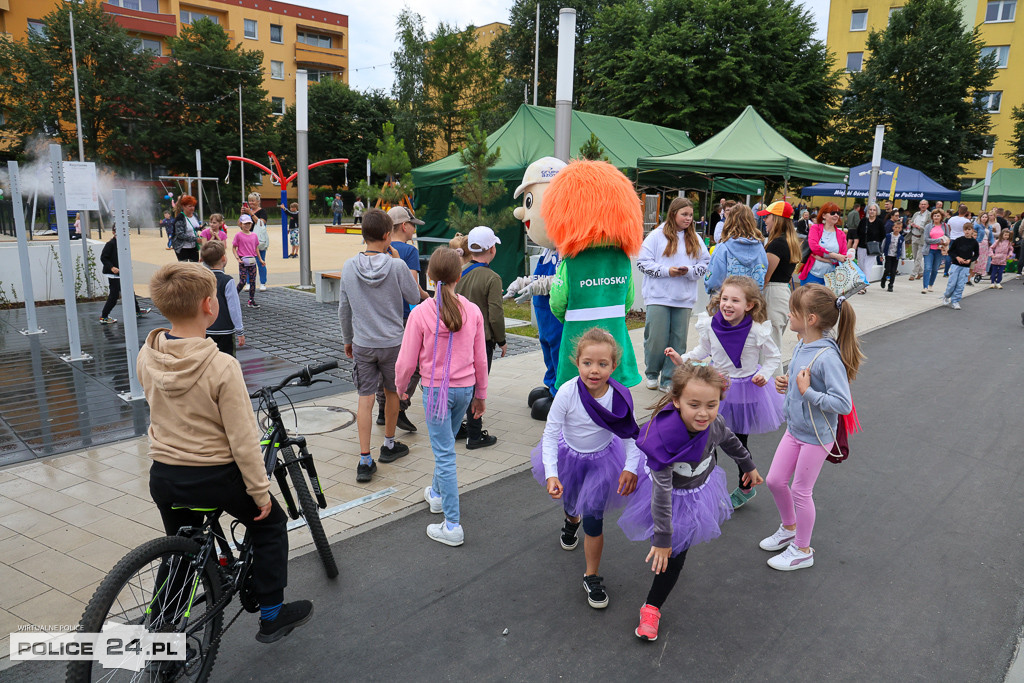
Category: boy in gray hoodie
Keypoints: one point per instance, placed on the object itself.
(374, 287)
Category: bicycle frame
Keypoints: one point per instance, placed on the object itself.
(276, 438)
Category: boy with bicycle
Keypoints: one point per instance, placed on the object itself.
(201, 459)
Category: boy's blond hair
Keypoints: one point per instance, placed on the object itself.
(177, 289)
(213, 253)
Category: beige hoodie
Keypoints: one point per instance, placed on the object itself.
(201, 414)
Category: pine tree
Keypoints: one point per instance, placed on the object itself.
(475, 191)
(391, 161)
(592, 149)
(1016, 153)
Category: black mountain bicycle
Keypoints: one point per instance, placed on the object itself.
(183, 584)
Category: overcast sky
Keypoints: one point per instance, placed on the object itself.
(372, 28)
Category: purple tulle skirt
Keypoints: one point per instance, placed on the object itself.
(750, 409)
(590, 480)
(697, 514)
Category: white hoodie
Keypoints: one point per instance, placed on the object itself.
(660, 289)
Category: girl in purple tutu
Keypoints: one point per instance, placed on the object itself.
(588, 457)
(683, 499)
(734, 339)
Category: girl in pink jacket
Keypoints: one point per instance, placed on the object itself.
(1002, 250)
(445, 338)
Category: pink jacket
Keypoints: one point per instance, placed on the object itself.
(814, 242)
(1001, 251)
(469, 350)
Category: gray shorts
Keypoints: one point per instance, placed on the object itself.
(372, 365)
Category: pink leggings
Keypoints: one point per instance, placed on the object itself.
(801, 461)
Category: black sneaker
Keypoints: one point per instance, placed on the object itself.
(482, 441)
(365, 472)
(462, 433)
(596, 595)
(380, 416)
(570, 535)
(394, 453)
(253, 304)
(291, 616)
(403, 422)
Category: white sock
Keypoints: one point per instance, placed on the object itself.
(389, 442)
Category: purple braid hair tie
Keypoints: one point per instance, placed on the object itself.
(437, 404)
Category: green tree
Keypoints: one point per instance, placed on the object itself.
(695, 64)
(411, 101)
(114, 79)
(392, 162)
(921, 81)
(1016, 153)
(475, 191)
(592, 149)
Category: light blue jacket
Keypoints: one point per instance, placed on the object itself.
(826, 398)
(742, 256)
(984, 233)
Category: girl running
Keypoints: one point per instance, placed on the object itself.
(734, 339)
(588, 458)
(683, 499)
(445, 338)
(1002, 250)
(819, 393)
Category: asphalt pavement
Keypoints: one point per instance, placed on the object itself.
(916, 575)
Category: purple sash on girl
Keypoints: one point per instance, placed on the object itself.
(619, 420)
(732, 337)
(665, 440)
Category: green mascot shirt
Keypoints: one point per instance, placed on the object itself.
(594, 289)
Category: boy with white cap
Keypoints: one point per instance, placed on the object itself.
(482, 286)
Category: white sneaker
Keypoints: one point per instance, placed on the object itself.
(792, 559)
(945, 301)
(263, 288)
(955, 307)
(651, 383)
(435, 503)
(442, 534)
(779, 540)
(665, 388)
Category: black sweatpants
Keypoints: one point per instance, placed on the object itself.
(114, 286)
(665, 581)
(225, 342)
(474, 425)
(222, 486)
(889, 273)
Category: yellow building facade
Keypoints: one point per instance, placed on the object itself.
(1002, 30)
(290, 36)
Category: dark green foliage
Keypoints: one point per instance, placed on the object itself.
(474, 190)
(392, 162)
(592, 149)
(1016, 153)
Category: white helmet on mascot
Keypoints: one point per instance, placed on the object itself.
(535, 181)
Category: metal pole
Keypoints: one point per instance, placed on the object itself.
(536, 55)
(876, 164)
(199, 183)
(988, 183)
(302, 159)
(124, 261)
(19, 227)
(241, 140)
(66, 261)
(81, 156)
(563, 84)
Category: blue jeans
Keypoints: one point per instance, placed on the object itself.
(261, 266)
(957, 279)
(932, 261)
(997, 274)
(337, 218)
(948, 260)
(442, 442)
(666, 327)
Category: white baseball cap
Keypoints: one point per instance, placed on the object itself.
(481, 238)
(540, 171)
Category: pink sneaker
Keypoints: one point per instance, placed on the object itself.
(650, 616)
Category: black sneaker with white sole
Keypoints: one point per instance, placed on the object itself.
(569, 536)
(596, 595)
(291, 616)
(482, 441)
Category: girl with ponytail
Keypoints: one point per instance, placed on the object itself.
(445, 339)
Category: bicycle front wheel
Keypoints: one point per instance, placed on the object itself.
(158, 587)
(311, 513)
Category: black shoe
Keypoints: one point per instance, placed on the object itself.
(461, 434)
(403, 422)
(570, 535)
(882, 285)
(394, 453)
(889, 290)
(596, 595)
(253, 304)
(380, 416)
(365, 472)
(291, 616)
(482, 441)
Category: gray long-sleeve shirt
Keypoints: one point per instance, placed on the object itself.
(687, 476)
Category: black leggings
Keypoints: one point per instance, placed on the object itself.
(114, 285)
(665, 581)
(743, 440)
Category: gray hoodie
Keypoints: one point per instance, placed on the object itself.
(826, 398)
(373, 288)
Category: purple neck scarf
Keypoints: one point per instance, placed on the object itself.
(664, 440)
(619, 420)
(732, 337)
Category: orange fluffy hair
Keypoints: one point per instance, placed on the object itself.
(591, 203)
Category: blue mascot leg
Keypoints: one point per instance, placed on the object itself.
(549, 331)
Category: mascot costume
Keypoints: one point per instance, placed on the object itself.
(595, 219)
(549, 328)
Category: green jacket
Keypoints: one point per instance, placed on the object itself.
(482, 286)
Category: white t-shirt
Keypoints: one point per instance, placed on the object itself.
(759, 341)
(956, 226)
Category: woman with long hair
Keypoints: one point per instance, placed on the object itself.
(783, 250)
(741, 251)
(986, 235)
(673, 260)
(827, 244)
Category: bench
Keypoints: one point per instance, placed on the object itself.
(328, 286)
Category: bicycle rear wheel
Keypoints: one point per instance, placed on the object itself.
(157, 586)
(311, 513)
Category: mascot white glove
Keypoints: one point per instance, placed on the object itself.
(541, 286)
(519, 285)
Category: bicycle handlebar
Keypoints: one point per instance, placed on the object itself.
(305, 375)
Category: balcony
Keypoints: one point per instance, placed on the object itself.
(331, 58)
(138, 21)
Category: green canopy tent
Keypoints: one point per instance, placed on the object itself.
(1007, 186)
(526, 137)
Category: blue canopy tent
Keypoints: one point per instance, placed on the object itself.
(911, 185)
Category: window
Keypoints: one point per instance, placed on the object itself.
(36, 28)
(276, 33)
(189, 17)
(1002, 53)
(990, 144)
(314, 39)
(150, 45)
(144, 5)
(314, 75)
(251, 29)
(854, 61)
(992, 101)
(278, 105)
(1000, 10)
(277, 70)
(893, 10)
(859, 20)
